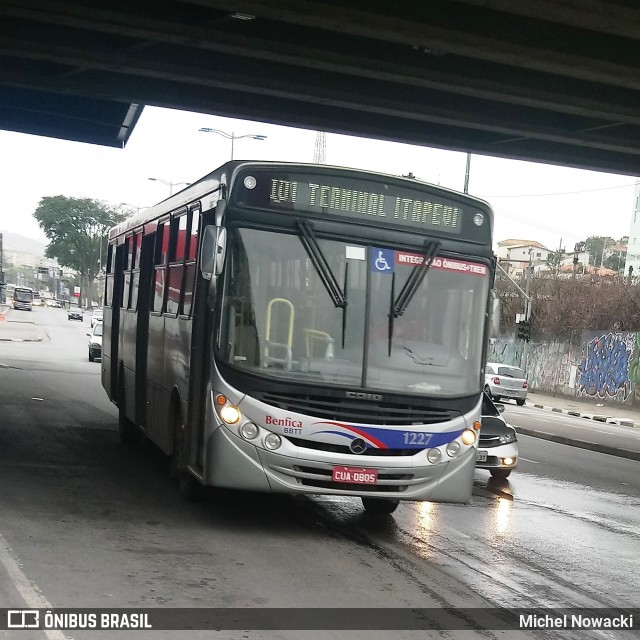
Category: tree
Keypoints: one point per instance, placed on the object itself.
(77, 229)
(615, 261)
(596, 245)
(554, 260)
(564, 307)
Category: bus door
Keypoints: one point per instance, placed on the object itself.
(112, 329)
(142, 327)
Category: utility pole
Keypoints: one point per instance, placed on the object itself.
(527, 315)
(320, 150)
(527, 307)
(560, 252)
(466, 175)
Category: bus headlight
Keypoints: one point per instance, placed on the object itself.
(453, 448)
(434, 455)
(249, 431)
(468, 436)
(230, 414)
(272, 441)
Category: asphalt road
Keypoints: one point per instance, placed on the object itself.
(623, 441)
(86, 522)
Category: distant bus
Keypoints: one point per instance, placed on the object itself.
(304, 329)
(23, 299)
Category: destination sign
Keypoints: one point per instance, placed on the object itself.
(356, 198)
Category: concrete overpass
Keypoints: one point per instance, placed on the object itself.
(554, 81)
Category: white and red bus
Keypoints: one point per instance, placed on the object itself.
(304, 329)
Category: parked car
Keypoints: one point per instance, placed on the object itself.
(95, 342)
(498, 444)
(55, 304)
(75, 313)
(505, 381)
(96, 316)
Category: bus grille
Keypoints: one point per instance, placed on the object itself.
(347, 410)
(337, 448)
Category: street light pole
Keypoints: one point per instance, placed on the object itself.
(170, 184)
(137, 207)
(232, 136)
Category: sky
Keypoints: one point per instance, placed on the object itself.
(556, 206)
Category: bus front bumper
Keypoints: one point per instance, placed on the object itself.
(236, 463)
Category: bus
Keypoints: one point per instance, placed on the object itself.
(304, 329)
(23, 298)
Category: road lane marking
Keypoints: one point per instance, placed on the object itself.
(31, 594)
(527, 460)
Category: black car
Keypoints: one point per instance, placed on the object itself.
(75, 313)
(498, 445)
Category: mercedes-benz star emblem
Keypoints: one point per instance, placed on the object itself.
(358, 445)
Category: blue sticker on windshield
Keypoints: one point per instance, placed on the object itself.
(382, 260)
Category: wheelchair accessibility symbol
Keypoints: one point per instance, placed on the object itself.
(382, 260)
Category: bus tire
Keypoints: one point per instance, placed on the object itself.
(379, 506)
(191, 489)
(127, 430)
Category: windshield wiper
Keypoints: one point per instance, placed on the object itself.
(323, 269)
(399, 305)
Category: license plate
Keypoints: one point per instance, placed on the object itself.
(481, 456)
(355, 475)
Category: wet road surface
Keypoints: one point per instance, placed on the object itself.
(90, 523)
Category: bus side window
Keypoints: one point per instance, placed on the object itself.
(190, 266)
(108, 289)
(160, 265)
(124, 304)
(135, 269)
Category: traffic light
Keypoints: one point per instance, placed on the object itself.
(524, 330)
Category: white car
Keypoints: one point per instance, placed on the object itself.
(95, 342)
(96, 316)
(498, 443)
(505, 381)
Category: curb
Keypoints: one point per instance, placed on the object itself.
(581, 444)
(624, 422)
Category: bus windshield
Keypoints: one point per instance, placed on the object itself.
(278, 320)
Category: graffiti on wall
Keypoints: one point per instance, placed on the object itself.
(504, 351)
(603, 366)
(608, 367)
(551, 367)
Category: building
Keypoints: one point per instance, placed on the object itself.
(633, 246)
(516, 255)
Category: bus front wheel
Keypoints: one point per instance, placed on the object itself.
(379, 506)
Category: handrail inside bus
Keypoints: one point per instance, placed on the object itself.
(269, 359)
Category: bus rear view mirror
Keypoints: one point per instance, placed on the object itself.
(212, 251)
(221, 249)
(208, 252)
(494, 316)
